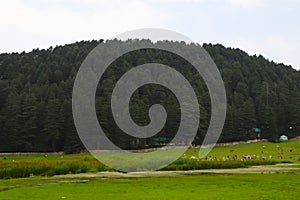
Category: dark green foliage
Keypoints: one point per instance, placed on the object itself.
(191, 164)
(35, 99)
(50, 168)
(260, 93)
(36, 91)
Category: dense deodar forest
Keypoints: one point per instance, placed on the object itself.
(36, 104)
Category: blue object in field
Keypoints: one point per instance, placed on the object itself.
(256, 130)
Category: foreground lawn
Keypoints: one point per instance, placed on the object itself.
(238, 186)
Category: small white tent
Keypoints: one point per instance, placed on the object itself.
(283, 138)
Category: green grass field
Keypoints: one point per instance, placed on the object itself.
(262, 148)
(18, 166)
(276, 185)
(249, 186)
(219, 152)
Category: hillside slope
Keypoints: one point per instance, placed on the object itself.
(36, 90)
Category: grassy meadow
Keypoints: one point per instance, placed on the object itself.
(38, 180)
(20, 166)
(238, 186)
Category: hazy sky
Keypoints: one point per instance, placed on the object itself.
(267, 27)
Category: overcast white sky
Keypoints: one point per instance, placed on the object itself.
(267, 27)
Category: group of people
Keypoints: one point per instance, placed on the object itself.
(263, 156)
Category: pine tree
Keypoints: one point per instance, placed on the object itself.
(28, 119)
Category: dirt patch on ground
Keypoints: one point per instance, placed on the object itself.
(262, 169)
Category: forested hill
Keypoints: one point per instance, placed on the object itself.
(36, 90)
